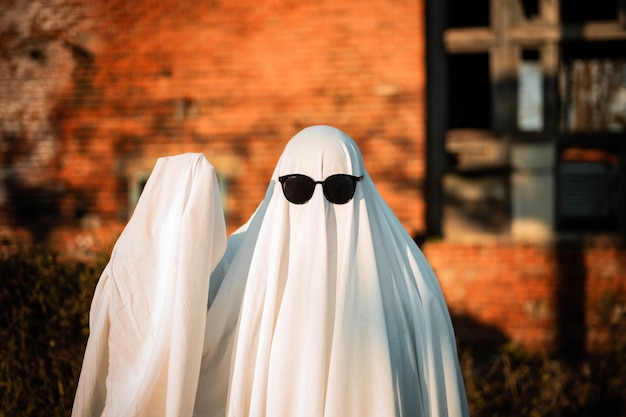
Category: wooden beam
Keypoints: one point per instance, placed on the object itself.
(594, 31)
(503, 67)
(535, 34)
(469, 40)
(481, 39)
(550, 11)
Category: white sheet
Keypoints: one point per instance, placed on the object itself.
(327, 310)
(148, 312)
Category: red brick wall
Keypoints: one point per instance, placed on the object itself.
(92, 92)
(547, 296)
(236, 80)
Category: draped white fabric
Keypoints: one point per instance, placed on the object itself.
(327, 310)
(148, 312)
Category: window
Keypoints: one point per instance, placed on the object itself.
(579, 12)
(136, 183)
(530, 93)
(470, 102)
(593, 88)
(588, 189)
(535, 111)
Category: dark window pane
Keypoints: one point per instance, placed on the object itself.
(588, 189)
(463, 13)
(469, 91)
(584, 11)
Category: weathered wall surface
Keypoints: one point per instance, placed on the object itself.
(92, 92)
(102, 96)
(548, 296)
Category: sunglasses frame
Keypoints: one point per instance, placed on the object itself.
(355, 180)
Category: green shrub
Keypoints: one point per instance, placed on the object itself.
(44, 327)
(43, 331)
(517, 384)
(511, 382)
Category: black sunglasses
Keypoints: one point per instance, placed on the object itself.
(338, 188)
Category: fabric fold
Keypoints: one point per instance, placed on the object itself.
(327, 309)
(147, 317)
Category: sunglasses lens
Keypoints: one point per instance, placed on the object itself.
(339, 188)
(297, 189)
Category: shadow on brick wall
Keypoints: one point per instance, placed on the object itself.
(570, 299)
(36, 209)
(476, 335)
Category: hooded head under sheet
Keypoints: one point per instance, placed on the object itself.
(144, 350)
(323, 309)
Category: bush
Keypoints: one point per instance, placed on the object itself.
(44, 327)
(512, 382)
(43, 331)
(515, 383)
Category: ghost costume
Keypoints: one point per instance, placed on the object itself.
(326, 309)
(148, 311)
